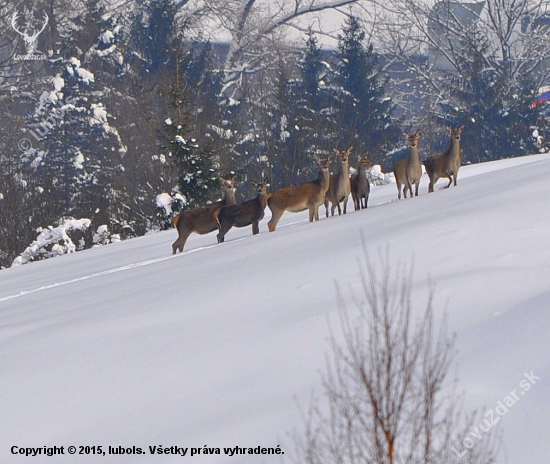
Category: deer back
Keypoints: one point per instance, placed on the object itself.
(300, 197)
(201, 220)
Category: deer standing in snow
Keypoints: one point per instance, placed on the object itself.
(360, 186)
(249, 212)
(339, 184)
(300, 197)
(201, 220)
(408, 171)
(446, 164)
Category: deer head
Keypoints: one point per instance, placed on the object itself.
(29, 32)
(413, 139)
(364, 162)
(455, 133)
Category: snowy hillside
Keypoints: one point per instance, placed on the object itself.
(126, 345)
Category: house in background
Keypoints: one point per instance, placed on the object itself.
(449, 21)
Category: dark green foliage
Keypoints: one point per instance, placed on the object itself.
(494, 108)
(155, 32)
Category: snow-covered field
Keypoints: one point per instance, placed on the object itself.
(126, 345)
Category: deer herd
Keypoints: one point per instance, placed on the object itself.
(334, 189)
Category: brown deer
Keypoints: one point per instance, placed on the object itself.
(339, 185)
(408, 171)
(249, 212)
(446, 164)
(201, 220)
(360, 185)
(300, 197)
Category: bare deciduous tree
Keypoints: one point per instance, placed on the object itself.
(389, 400)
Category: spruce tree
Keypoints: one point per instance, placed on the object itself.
(191, 164)
(365, 113)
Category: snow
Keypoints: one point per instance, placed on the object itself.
(107, 37)
(56, 237)
(75, 66)
(164, 201)
(58, 83)
(99, 114)
(127, 345)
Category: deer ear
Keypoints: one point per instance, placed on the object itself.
(418, 133)
(448, 129)
(348, 151)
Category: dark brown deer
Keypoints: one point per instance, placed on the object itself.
(339, 185)
(360, 185)
(446, 164)
(300, 197)
(249, 212)
(201, 220)
(408, 171)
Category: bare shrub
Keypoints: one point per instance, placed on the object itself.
(388, 396)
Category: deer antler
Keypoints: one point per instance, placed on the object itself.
(14, 24)
(46, 19)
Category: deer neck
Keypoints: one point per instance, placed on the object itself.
(454, 149)
(344, 171)
(229, 197)
(414, 159)
(324, 179)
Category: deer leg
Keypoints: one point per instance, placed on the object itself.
(275, 216)
(345, 204)
(255, 228)
(224, 228)
(416, 188)
(450, 181)
(433, 180)
(398, 189)
(180, 242)
(455, 175)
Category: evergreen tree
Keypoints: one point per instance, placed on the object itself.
(79, 160)
(365, 113)
(315, 100)
(494, 108)
(192, 164)
(155, 33)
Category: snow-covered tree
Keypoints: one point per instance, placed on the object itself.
(365, 113)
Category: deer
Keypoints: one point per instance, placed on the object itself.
(201, 220)
(448, 163)
(249, 212)
(408, 171)
(309, 195)
(339, 184)
(360, 185)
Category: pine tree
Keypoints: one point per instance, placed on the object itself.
(192, 164)
(315, 99)
(155, 33)
(365, 113)
(494, 108)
